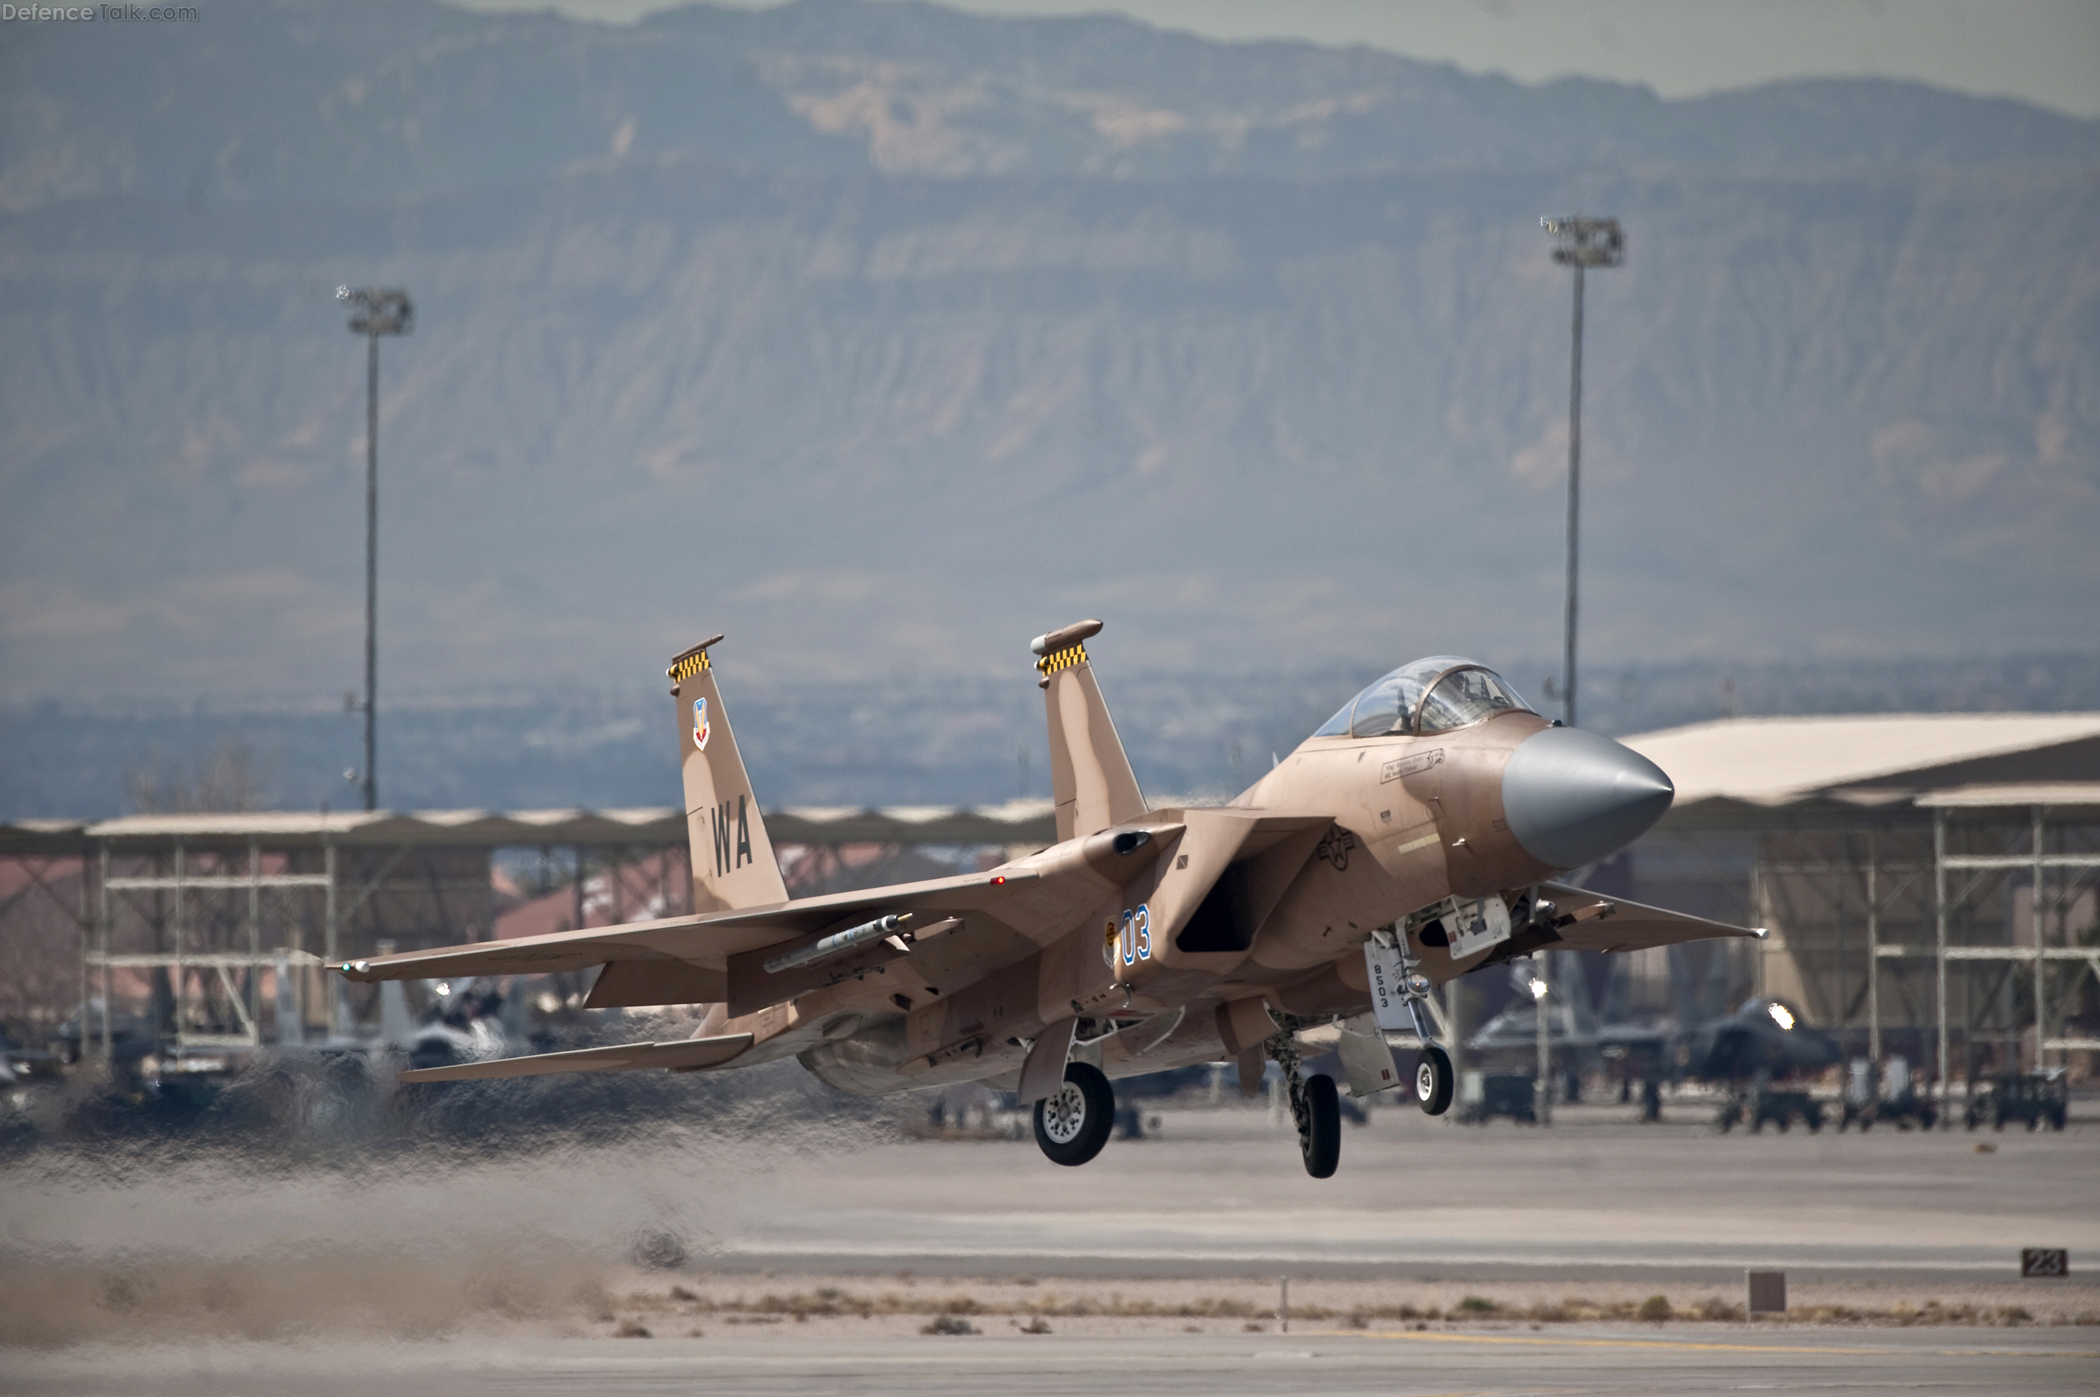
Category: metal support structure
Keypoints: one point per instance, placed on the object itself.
(377, 313)
(86, 936)
(329, 949)
(2037, 861)
(315, 883)
(1761, 915)
(102, 901)
(216, 966)
(332, 990)
(255, 935)
(1584, 243)
(1545, 1027)
(2034, 917)
(181, 906)
(1574, 505)
(1939, 941)
(1873, 950)
(370, 773)
(576, 859)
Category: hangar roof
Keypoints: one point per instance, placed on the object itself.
(1017, 822)
(1739, 771)
(2057, 795)
(1868, 760)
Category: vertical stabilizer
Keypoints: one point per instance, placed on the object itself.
(1090, 777)
(733, 864)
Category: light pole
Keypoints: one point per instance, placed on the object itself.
(374, 313)
(1539, 990)
(1581, 243)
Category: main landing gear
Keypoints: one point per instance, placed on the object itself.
(1072, 1124)
(1316, 1109)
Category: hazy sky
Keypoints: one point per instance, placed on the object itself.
(2044, 51)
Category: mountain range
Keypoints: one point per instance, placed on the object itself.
(884, 337)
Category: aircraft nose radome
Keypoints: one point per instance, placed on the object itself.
(1572, 797)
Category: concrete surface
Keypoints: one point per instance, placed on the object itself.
(184, 1271)
(1397, 1364)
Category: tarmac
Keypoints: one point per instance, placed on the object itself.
(1595, 1195)
(468, 1272)
(1392, 1364)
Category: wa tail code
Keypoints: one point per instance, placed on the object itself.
(732, 835)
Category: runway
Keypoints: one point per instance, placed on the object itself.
(1392, 1364)
(467, 1272)
(1214, 1192)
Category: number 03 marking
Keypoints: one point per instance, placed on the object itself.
(1134, 937)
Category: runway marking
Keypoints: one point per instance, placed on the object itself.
(1707, 1345)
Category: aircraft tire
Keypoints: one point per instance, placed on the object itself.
(1073, 1125)
(1433, 1080)
(1321, 1141)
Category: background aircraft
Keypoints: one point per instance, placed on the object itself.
(1761, 1040)
(1410, 839)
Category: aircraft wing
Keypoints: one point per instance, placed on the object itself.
(684, 960)
(689, 1055)
(1591, 922)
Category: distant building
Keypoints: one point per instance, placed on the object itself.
(1825, 830)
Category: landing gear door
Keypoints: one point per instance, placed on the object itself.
(1366, 1059)
(1387, 966)
(1475, 924)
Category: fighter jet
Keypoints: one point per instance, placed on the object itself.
(1764, 1040)
(1412, 838)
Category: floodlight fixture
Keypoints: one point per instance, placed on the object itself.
(1587, 242)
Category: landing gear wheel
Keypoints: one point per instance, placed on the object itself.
(1320, 1127)
(1073, 1122)
(1433, 1080)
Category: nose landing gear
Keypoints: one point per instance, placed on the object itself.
(1400, 1001)
(1433, 1080)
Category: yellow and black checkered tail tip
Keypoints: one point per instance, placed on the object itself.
(692, 662)
(1062, 648)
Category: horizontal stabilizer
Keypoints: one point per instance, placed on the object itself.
(687, 1055)
(667, 945)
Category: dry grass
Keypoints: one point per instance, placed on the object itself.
(837, 1301)
(320, 1297)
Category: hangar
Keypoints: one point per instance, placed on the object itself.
(1928, 879)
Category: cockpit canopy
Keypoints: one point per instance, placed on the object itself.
(1428, 696)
